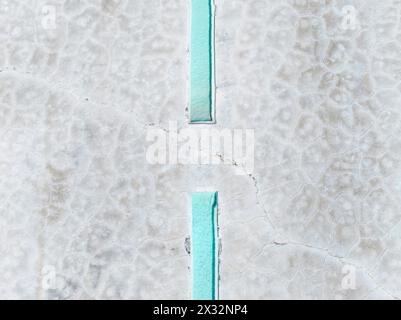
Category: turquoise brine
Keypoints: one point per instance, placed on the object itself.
(204, 238)
(201, 61)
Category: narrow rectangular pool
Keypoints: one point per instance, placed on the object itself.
(204, 243)
(201, 51)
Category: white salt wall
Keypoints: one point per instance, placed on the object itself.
(325, 103)
(78, 201)
(82, 213)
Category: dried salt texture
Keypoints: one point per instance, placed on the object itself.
(322, 90)
(84, 215)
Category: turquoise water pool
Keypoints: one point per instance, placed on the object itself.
(201, 61)
(204, 235)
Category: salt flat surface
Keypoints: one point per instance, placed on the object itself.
(324, 101)
(84, 215)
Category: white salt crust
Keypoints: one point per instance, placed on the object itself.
(83, 215)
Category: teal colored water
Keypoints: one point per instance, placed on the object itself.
(204, 206)
(201, 61)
